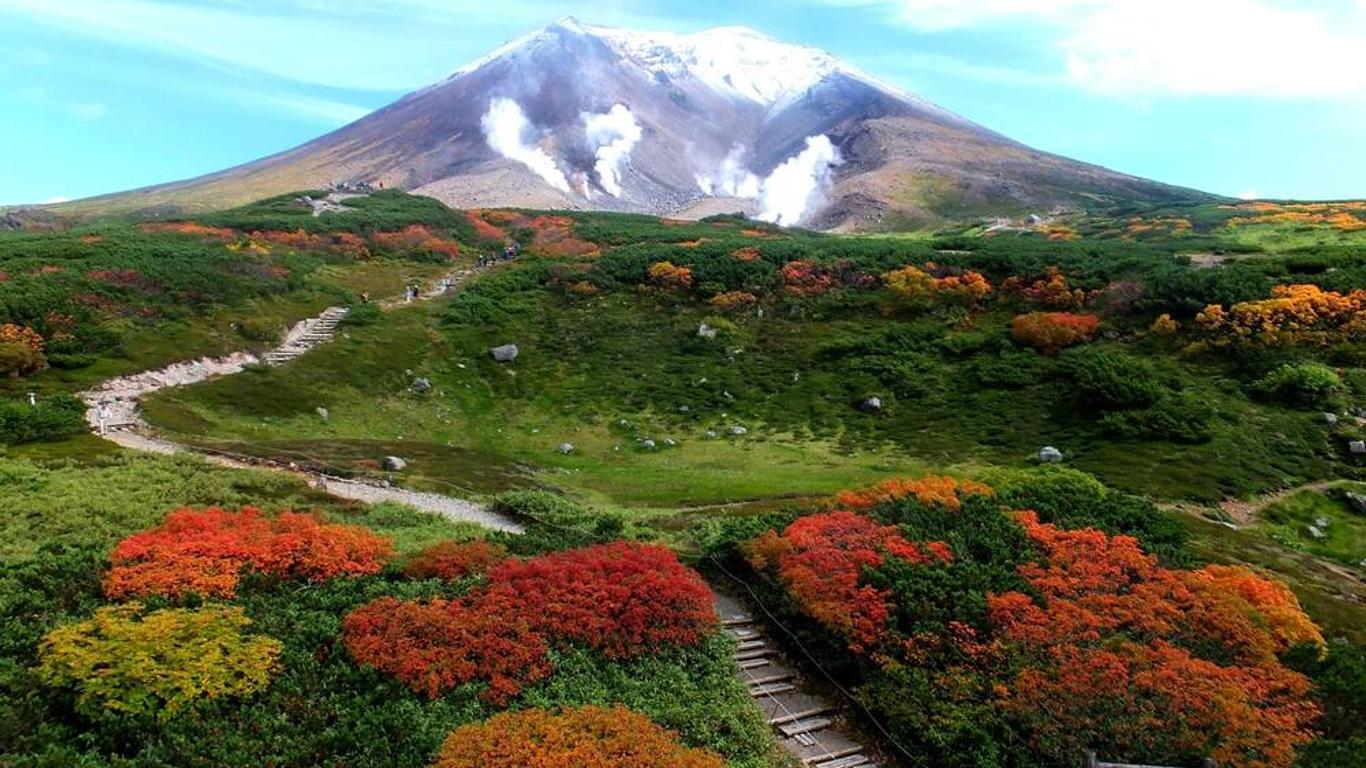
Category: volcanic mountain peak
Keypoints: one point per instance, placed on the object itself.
(723, 120)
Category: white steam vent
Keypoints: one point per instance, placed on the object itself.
(505, 125)
(800, 183)
(732, 178)
(613, 134)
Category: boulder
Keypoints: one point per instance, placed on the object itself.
(738, 431)
(709, 434)
(647, 444)
(706, 331)
(504, 354)
(565, 448)
(1316, 532)
(684, 409)
(1050, 455)
(1330, 419)
(670, 442)
(1357, 502)
(394, 464)
(871, 405)
(323, 413)
(422, 385)
(1357, 447)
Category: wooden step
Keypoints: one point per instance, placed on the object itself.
(779, 678)
(754, 663)
(757, 653)
(795, 716)
(737, 621)
(805, 726)
(749, 645)
(771, 689)
(844, 758)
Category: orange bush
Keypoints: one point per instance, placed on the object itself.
(586, 737)
(1051, 291)
(734, 301)
(415, 239)
(486, 230)
(21, 335)
(820, 560)
(930, 490)
(1051, 331)
(665, 275)
(914, 284)
(189, 228)
(804, 278)
(1295, 314)
(452, 561)
(1108, 618)
(748, 253)
(204, 552)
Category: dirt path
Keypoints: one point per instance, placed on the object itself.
(116, 403)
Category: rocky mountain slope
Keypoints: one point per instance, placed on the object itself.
(585, 117)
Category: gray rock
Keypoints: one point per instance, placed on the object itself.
(1050, 455)
(670, 442)
(1330, 419)
(504, 354)
(394, 464)
(565, 448)
(647, 444)
(1322, 522)
(683, 409)
(871, 405)
(1357, 502)
(422, 385)
(323, 413)
(1316, 532)
(1357, 447)
(706, 331)
(710, 434)
(738, 431)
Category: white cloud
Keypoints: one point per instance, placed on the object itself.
(87, 110)
(1251, 193)
(55, 200)
(1150, 48)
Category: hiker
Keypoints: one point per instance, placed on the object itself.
(408, 294)
(102, 415)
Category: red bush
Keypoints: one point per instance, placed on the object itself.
(1051, 331)
(415, 239)
(820, 560)
(930, 490)
(1109, 618)
(622, 599)
(438, 645)
(483, 228)
(452, 561)
(205, 551)
(588, 737)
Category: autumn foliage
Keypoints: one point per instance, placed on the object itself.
(820, 560)
(1186, 660)
(452, 561)
(586, 737)
(415, 239)
(933, 283)
(621, 599)
(930, 490)
(1052, 290)
(124, 662)
(1295, 314)
(205, 552)
(190, 228)
(734, 302)
(666, 276)
(1051, 331)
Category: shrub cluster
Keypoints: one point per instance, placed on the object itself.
(205, 552)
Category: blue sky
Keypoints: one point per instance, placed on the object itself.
(1240, 97)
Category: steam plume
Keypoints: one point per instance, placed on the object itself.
(799, 184)
(504, 126)
(614, 134)
(731, 179)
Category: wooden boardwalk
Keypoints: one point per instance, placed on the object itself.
(805, 721)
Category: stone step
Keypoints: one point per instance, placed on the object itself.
(805, 726)
(745, 634)
(778, 678)
(754, 663)
(750, 645)
(737, 621)
(757, 653)
(771, 689)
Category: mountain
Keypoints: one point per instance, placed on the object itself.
(577, 116)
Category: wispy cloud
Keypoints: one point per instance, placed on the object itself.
(1289, 49)
(82, 110)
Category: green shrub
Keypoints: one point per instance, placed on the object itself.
(1112, 379)
(20, 360)
(1301, 384)
(258, 329)
(53, 418)
(367, 313)
(1180, 418)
